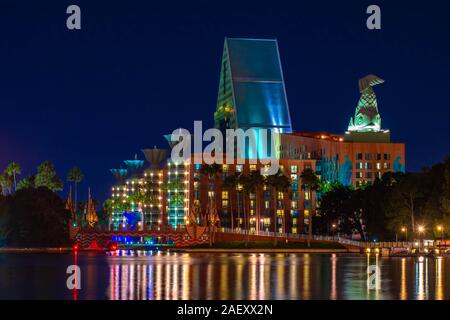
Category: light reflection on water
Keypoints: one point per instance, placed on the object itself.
(273, 276)
(127, 275)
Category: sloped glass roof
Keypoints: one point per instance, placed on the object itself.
(257, 84)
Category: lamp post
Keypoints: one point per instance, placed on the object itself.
(405, 231)
(440, 228)
(421, 230)
(333, 227)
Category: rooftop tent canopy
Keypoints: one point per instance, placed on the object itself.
(252, 86)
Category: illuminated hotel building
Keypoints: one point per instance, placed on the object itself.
(252, 95)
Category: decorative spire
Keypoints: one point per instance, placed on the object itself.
(90, 213)
(367, 117)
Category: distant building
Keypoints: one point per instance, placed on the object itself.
(252, 95)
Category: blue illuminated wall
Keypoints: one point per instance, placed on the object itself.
(251, 89)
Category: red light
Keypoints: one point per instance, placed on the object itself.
(113, 247)
(76, 247)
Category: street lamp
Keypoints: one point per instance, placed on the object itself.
(440, 228)
(421, 230)
(405, 231)
(334, 226)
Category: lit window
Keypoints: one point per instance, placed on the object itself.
(224, 194)
(239, 168)
(294, 169)
(280, 212)
(306, 213)
(306, 195)
(253, 167)
(387, 165)
(267, 204)
(224, 168)
(280, 195)
(378, 165)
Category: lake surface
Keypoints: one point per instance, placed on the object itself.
(159, 275)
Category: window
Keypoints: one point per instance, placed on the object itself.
(294, 204)
(294, 177)
(306, 213)
(378, 166)
(224, 203)
(266, 204)
(368, 156)
(378, 174)
(369, 175)
(387, 165)
(359, 156)
(306, 195)
(378, 156)
(224, 194)
(294, 169)
(387, 156)
(224, 168)
(359, 165)
(358, 175)
(367, 165)
(280, 195)
(280, 212)
(239, 167)
(253, 167)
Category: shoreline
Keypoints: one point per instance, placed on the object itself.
(186, 250)
(239, 250)
(36, 250)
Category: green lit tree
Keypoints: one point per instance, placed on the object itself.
(76, 176)
(46, 177)
(26, 183)
(5, 183)
(13, 169)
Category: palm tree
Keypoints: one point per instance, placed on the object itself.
(278, 183)
(310, 183)
(5, 184)
(248, 186)
(257, 180)
(211, 171)
(230, 183)
(76, 176)
(13, 169)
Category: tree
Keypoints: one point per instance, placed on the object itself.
(13, 169)
(278, 183)
(5, 183)
(403, 202)
(310, 183)
(26, 183)
(76, 176)
(46, 177)
(445, 196)
(257, 180)
(230, 183)
(211, 171)
(37, 217)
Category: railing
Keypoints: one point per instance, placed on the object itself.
(278, 234)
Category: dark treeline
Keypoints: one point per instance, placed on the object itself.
(397, 206)
(32, 213)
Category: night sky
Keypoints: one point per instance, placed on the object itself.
(139, 69)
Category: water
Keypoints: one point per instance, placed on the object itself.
(151, 275)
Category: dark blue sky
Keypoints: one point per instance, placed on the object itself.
(139, 69)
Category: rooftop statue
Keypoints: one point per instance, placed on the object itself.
(367, 118)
